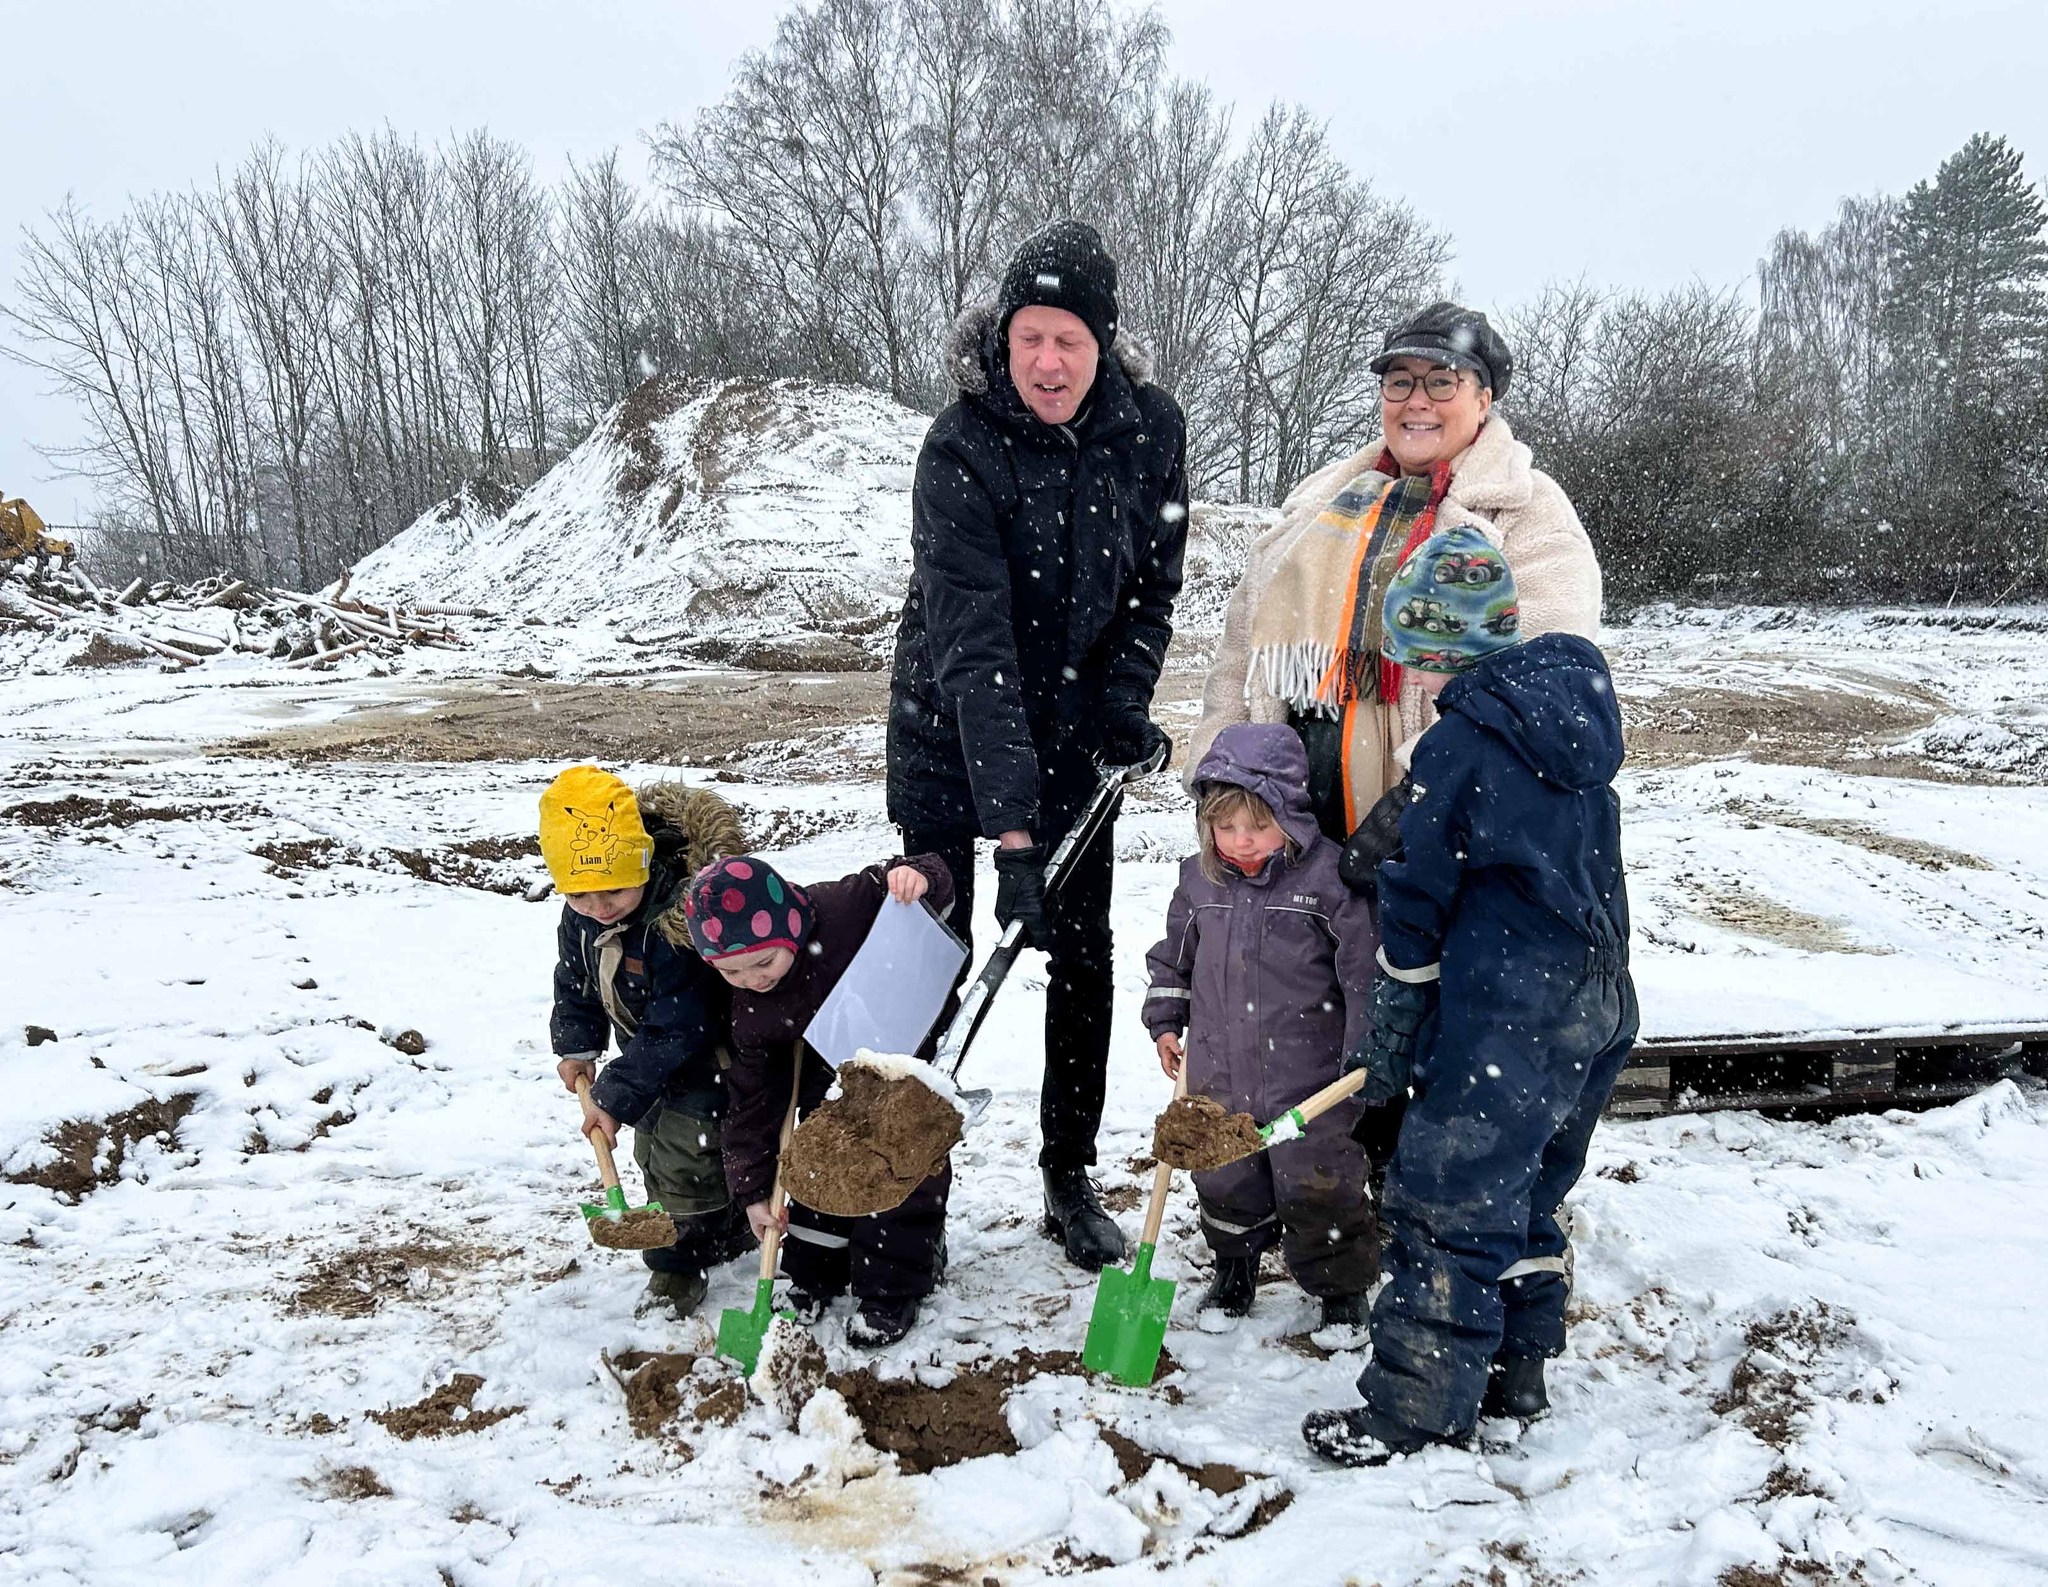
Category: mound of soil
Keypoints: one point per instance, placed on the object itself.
(81, 1168)
(1195, 1133)
(638, 1230)
(106, 650)
(662, 1386)
(445, 1412)
(1219, 1477)
(868, 1149)
(926, 1428)
(355, 1483)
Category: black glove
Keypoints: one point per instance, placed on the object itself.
(1130, 737)
(1020, 890)
(1387, 1052)
(1378, 838)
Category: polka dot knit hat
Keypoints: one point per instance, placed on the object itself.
(741, 905)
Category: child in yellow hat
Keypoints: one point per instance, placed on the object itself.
(622, 859)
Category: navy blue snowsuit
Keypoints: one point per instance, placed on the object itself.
(1509, 882)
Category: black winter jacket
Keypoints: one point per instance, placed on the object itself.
(1510, 873)
(1046, 563)
(680, 1008)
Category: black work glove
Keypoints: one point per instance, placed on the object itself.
(1378, 838)
(1130, 737)
(1387, 1052)
(1020, 891)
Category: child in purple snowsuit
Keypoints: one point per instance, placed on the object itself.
(1267, 966)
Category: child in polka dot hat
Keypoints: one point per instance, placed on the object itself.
(782, 948)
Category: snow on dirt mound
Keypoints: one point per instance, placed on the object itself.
(700, 520)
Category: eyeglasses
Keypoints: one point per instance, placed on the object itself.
(1440, 385)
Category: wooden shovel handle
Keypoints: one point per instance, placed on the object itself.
(1162, 1176)
(1332, 1094)
(606, 1170)
(771, 1242)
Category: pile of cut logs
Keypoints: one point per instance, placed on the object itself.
(188, 624)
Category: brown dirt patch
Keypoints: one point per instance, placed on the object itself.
(447, 1411)
(356, 1482)
(36, 1035)
(1758, 915)
(1771, 1386)
(90, 1151)
(926, 1428)
(868, 1149)
(1218, 1477)
(496, 849)
(107, 650)
(1840, 729)
(80, 812)
(633, 426)
(1196, 1133)
(1928, 856)
(288, 859)
(357, 1283)
(638, 1230)
(691, 721)
(663, 1386)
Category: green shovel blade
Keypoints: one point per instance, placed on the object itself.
(613, 1206)
(1128, 1326)
(741, 1333)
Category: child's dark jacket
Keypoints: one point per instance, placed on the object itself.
(1510, 870)
(767, 1025)
(675, 1008)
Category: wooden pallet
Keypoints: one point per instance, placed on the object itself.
(1856, 1072)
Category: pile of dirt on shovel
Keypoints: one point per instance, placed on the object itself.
(1195, 1133)
(865, 1150)
(639, 1230)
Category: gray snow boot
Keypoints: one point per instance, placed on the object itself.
(1514, 1387)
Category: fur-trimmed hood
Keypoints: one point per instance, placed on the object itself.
(691, 827)
(971, 339)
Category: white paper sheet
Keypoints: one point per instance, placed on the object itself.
(890, 996)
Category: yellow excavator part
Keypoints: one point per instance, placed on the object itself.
(22, 534)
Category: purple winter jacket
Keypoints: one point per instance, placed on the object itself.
(1271, 973)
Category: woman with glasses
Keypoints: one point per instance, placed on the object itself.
(1301, 642)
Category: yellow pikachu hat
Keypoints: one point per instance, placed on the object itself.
(591, 834)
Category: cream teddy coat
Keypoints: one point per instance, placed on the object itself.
(1494, 487)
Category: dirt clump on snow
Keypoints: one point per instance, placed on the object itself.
(90, 1151)
(639, 1230)
(1196, 1133)
(109, 650)
(869, 1148)
(80, 812)
(1216, 1477)
(926, 1428)
(790, 1370)
(663, 1386)
(357, 1283)
(36, 1035)
(356, 1482)
(1772, 1384)
(449, 1410)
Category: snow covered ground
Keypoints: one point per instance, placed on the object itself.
(1803, 1352)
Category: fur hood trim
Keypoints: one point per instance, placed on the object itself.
(970, 331)
(710, 830)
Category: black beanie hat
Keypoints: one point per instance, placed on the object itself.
(1062, 266)
(1458, 338)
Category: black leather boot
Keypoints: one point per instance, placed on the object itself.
(1235, 1285)
(1514, 1387)
(1074, 1216)
(881, 1320)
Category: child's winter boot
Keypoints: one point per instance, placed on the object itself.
(1361, 1437)
(1514, 1387)
(809, 1306)
(1232, 1289)
(882, 1320)
(684, 1291)
(1346, 1311)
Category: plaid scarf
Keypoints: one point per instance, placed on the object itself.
(1316, 632)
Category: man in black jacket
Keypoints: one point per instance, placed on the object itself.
(1047, 527)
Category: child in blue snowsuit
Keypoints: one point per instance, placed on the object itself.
(1503, 1003)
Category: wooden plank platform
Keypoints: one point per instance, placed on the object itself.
(1856, 1072)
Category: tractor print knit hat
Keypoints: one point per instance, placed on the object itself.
(1062, 266)
(1450, 605)
(741, 905)
(591, 834)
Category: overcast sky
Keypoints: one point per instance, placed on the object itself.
(1639, 145)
